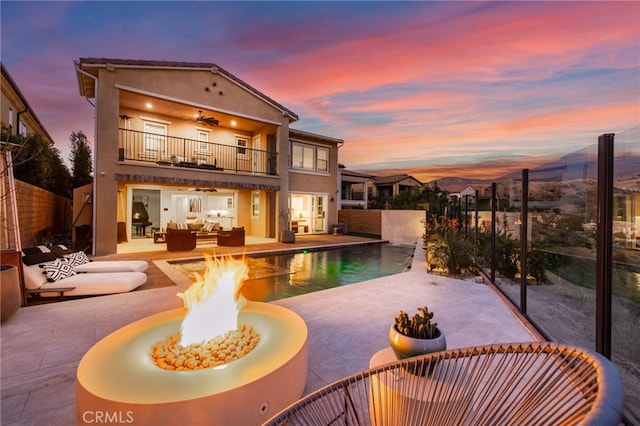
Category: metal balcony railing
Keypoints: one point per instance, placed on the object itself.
(189, 153)
(352, 195)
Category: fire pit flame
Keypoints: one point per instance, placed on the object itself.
(213, 301)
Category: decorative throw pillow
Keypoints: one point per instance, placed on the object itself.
(207, 227)
(58, 270)
(182, 225)
(60, 250)
(77, 258)
(194, 226)
(34, 255)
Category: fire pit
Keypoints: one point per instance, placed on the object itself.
(117, 380)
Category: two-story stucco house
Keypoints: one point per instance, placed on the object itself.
(15, 112)
(178, 141)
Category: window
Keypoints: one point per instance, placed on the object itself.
(322, 162)
(10, 119)
(242, 144)
(22, 128)
(309, 157)
(202, 146)
(255, 204)
(154, 137)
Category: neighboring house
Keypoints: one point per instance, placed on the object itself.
(354, 193)
(183, 141)
(19, 118)
(15, 113)
(390, 186)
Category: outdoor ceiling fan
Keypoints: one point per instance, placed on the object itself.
(206, 120)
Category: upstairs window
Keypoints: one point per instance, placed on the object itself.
(22, 128)
(155, 135)
(242, 144)
(322, 161)
(309, 157)
(202, 147)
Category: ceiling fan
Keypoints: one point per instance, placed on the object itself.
(206, 120)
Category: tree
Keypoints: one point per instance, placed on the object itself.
(38, 163)
(80, 160)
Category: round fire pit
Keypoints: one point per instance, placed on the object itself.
(118, 382)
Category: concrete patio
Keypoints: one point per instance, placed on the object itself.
(42, 345)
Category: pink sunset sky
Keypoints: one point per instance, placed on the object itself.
(434, 89)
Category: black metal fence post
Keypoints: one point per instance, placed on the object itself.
(524, 249)
(494, 188)
(604, 253)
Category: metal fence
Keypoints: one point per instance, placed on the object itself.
(189, 153)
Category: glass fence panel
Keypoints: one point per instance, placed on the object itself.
(562, 250)
(507, 243)
(625, 322)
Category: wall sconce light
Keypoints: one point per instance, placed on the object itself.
(332, 199)
(221, 93)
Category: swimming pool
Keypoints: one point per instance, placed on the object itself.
(281, 275)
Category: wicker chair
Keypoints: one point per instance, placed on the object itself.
(522, 384)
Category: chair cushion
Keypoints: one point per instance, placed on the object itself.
(100, 283)
(34, 277)
(113, 266)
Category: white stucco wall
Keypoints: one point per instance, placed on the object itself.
(402, 226)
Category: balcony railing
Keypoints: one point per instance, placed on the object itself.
(352, 195)
(189, 153)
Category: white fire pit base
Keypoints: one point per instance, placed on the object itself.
(118, 382)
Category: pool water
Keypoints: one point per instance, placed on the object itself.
(278, 276)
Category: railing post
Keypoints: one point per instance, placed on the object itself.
(604, 253)
(524, 249)
(494, 188)
(477, 234)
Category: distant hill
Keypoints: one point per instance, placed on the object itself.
(577, 165)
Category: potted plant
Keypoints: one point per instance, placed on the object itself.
(286, 235)
(417, 335)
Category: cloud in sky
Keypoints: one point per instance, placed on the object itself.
(423, 86)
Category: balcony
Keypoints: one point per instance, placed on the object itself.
(193, 154)
(352, 195)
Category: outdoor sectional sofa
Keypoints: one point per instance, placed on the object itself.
(57, 270)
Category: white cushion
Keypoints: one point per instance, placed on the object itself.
(113, 266)
(99, 283)
(34, 277)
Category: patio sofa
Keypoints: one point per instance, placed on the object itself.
(57, 270)
(204, 230)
